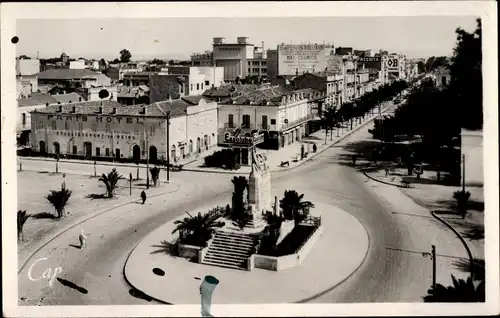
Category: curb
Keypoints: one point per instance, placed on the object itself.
(213, 171)
(471, 259)
(384, 182)
(80, 222)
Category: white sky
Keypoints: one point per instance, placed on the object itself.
(179, 37)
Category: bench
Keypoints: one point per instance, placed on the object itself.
(285, 163)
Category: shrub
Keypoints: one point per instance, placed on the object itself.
(225, 158)
(462, 197)
(155, 174)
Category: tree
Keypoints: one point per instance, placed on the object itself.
(115, 61)
(24, 57)
(240, 184)
(271, 234)
(125, 56)
(462, 198)
(421, 67)
(111, 181)
(461, 292)
(293, 207)
(59, 199)
(330, 119)
(22, 217)
(155, 174)
(466, 77)
(102, 63)
(157, 62)
(197, 230)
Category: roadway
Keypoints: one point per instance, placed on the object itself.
(393, 271)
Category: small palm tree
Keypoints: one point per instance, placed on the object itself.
(59, 199)
(111, 181)
(22, 217)
(462, 197)
(293, 207)
(155, 174)
(197, 230)
(461, 292)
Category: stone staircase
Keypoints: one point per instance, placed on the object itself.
(230, 249)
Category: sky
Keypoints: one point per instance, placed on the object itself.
(177, 38)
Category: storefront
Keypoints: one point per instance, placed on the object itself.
(242, 144)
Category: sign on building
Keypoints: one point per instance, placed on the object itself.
(246, 141)
(374, 62)
(392, 63)
(293, 59)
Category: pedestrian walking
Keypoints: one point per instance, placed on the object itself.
(83, 239)
(143, 196)
(354, 160)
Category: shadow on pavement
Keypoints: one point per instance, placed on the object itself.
(477, 267)
(476, 232)
(94, 196)
(138, 294)
(76, 246)
(43, 215)
(69, 284)
(165, 248)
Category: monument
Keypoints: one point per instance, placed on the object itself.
(259, 187)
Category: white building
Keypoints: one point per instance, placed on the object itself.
(109, 131)
(270, 116)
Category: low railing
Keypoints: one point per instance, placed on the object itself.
(316, 222)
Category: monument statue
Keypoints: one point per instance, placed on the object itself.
(259, 186)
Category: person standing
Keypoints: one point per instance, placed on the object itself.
(143, 196)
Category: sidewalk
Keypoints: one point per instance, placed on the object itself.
(343, 235)
(291, 153)
(42, 228)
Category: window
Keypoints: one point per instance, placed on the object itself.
(24, 119)
(263, 70)
(94, 126)
(264, 121)
(230, 120)
(74, 150)
(207, 83)
(249, 70)
(246, 121)
(152, 130)
(98, 151)
(273, 121)
(108, 127)
(80, 126)
(191, 86)
(107, 152)
(66, 125)
(54, 125)
(136, 131)
(263, 63)
(197, 86)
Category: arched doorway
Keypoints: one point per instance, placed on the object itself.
(206, 141)
(87, 148)
(153, 154)
(173, 154)
(198, 145)
(190, 146)
(136, 153)
(42, 146)
(57, 148)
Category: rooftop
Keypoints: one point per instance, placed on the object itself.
(68, 98)
(264, 96)
(36, 99)
(132, 91)
(67, 74)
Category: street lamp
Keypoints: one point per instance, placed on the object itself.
(432, 255)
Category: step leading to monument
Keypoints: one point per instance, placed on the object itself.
(230, 249)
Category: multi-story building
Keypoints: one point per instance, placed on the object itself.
(233, 57)
(24, 108)
(26, 78)
(271, 117)
(202, 59)
(394, 66)
(136, 78)
(107, 130)
(441, 77)
(129, 95)
(331, 84)
(180, 81)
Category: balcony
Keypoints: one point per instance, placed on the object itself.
(229, 125)
(297, 122)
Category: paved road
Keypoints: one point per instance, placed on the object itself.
(394, 269)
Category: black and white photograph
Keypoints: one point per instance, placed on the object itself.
(204, 159)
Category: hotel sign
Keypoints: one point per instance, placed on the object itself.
(243, 140)
(99, 119)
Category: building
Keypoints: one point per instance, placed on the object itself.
(472, 148)
(394, 67)
(73, 78)
(272, 64)
(329, 83)
(99, 93)
(269, 117)
(295, 59)
(23, 120)
(136, 78)
(25, 67)
(202, 59)
(344, 51)
(181, 81)
(68, 98)
(109, 131)
(77, 65)
(128, 95)
(441, 77)
(362, 53)
(233, 57)
(26, 85)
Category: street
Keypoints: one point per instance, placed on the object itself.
(394, 269)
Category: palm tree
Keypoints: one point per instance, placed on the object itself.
(461, 292)
(197, 230)
(111, 181)
(240, 185)
(155, 174)
(22, 217)
(59, 199)
(462, 197)
(293, 207)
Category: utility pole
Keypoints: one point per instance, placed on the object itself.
(434, 267)
(147, 161)
(463, 173)
(168, 146)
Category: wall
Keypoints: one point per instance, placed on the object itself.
(93, 93)
(234, 59)
(302, 58)
(27, 67)
(122, 132)
(287, 261)
(26, 111)
(189, 251)
(211, 76)
(255, 112)
(25, 85)
(77, 65)
(232, 69)
(272, 64)
(472, 148)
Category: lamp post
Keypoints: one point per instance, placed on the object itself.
(432, 255)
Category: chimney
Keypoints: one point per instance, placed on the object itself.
(80, 99)
(114, 110)
(144, 110)
(100, 109)
(74, 109)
